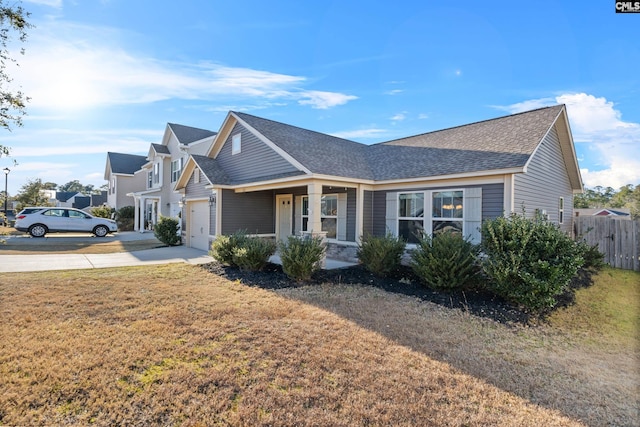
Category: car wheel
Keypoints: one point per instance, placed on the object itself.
(38, 230)
(100, 231)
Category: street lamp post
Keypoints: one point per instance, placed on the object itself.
(6, 195)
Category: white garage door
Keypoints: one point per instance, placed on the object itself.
(199, 225)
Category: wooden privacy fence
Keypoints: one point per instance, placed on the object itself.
(618, 240)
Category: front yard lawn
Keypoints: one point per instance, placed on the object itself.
(178, 345)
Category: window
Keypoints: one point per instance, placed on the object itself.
(328, 214)
(55, 212)
(156, 173)
(411, 216)
(77, 215)
(113, 185)
(447, 211)
(149, 179)
(236, 144)
(196, 175)
(176, 169)
(561, 211)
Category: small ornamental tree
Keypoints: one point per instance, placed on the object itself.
(125, 217)
(166, 230)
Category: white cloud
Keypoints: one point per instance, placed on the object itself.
(51, 3)
(361, 133)
(399, 117)
(423, 116)
(394, 91)
(323, 100)
(596, 122)
(70, 66)
(68, 142)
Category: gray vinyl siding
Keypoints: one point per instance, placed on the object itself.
(197, 190)
(545, 181)
(367, 220)
(253, 212)
(255, 160)
(492, 203)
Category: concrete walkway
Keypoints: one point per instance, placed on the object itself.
(52, 261)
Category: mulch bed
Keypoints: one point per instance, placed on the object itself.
(403, 281)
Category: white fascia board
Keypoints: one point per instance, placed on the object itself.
(484, 176)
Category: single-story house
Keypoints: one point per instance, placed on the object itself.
(275, 180)
(617, 213)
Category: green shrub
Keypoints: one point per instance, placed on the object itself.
(102, 211)
(254, 253)
(381, 254)
(593, 258)
(166, 230)
(125, 217)
(301, 257)
(530, 262)
(446, 261)
(223, 246)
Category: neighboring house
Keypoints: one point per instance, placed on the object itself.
(617, 213)
(124, 175)
(99, 199)
(161, 170)
(274, 179)
(68, 199)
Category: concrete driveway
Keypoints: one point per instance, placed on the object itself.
(52, 261)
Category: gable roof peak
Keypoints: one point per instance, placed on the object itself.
(188, 134)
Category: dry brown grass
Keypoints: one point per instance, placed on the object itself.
(96, 246)
(176, 345)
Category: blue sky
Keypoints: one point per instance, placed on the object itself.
(107, 75)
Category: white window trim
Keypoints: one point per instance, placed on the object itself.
(236, 143)
(561, 210)
(321, 216)
(150, 179)
(196, 175)
(432, 218)
(428, 218)
(176, 169)
(412, 218)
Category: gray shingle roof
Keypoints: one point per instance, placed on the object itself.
(161, 149)
(187, 134)
(212, 170)
(501, 143)
(63, 196)
(125, 163)
(318, 152)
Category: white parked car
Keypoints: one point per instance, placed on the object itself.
(39, 221)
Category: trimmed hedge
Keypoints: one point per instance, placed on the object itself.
(529, 262)
(301, 257)
(381, 254)
(446, 261)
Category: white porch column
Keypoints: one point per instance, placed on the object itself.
(136, 212)
(359, 213)
(143, 214)
(314, 191)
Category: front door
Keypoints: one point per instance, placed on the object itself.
(284, 216)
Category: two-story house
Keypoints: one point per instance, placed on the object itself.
(124, 174)
(161, 170)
